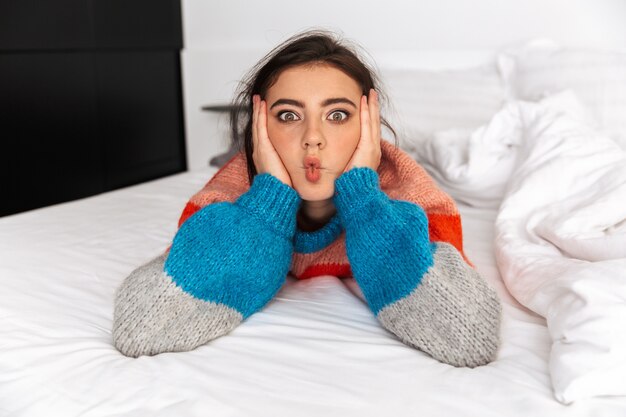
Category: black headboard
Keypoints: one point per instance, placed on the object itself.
(90, 98)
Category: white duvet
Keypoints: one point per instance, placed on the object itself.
(560, 231)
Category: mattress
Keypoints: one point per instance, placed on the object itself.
(315, 349)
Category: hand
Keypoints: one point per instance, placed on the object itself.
(266, 159)
(368, 152)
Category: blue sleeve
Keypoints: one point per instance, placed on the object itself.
(249, 242)
(421, 291)
(387, 240)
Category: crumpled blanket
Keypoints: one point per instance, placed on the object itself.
(560, 188)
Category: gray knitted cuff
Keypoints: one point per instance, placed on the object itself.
(453, 315)
(153, 315)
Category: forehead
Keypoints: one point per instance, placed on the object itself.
(313, 81)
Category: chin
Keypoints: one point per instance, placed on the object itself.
(319, 191)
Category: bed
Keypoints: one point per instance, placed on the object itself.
(316, 348)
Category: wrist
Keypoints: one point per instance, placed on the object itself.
(354, 190)
(273, 202)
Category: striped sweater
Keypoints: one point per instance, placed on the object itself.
(324, 252)
(395, 232)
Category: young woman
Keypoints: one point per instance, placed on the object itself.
(314, 191)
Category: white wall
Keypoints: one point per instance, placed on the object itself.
(223, 38)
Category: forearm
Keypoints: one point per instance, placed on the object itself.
(225, 263)
(423, 292)
(386, 240)
(251, 238)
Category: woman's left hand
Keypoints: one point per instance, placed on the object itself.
(367, 152)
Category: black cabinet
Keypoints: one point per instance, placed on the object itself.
(90, 98)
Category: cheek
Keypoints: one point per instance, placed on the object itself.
(355, 135)
(282, 137)
(347, 140)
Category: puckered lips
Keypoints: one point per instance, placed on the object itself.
(312, 167)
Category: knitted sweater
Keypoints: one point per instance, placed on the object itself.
(323, 252)
(394, 231)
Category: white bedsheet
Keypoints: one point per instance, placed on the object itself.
(315, 350)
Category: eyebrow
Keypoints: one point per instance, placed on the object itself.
(327, 102)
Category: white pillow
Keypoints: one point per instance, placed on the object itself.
(474, 165)
(425, 101)
(598, 77)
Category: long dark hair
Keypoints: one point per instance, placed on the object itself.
(309, 47)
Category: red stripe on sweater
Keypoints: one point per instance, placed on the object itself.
(188, 211)
(191, 208)
(441, 228)
(336, 270)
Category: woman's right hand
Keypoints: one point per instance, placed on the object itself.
(266, 159)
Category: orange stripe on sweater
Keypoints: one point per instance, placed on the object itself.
(447, 228)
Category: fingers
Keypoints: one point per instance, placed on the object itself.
(262, 122)
(255, 116)
(264, 155)
(366, 129)
(370, 117)
(374, 108)
(259, 122)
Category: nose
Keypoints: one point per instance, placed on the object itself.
(313, 137)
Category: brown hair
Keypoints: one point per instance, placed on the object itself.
(309, 47)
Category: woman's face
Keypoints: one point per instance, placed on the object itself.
(313, 123)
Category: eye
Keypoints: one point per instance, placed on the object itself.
(338, 116)
(288, 116)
